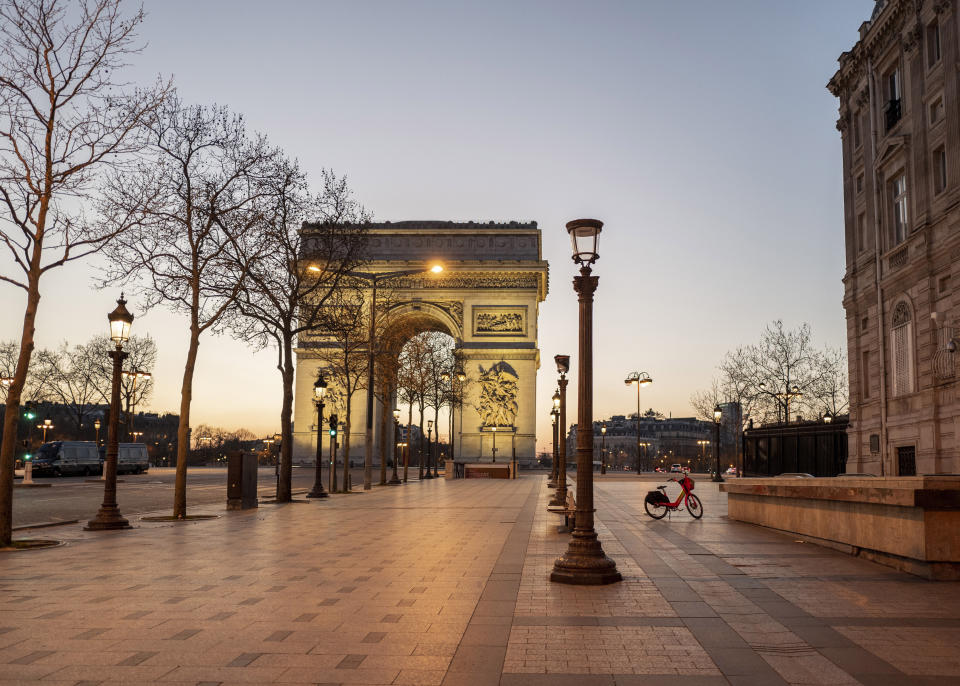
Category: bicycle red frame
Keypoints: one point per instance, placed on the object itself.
(684, 495)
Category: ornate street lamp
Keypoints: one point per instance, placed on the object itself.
(555, 468)
(428, 475)
(638, 379)
(319, 393)
(717, 416)
(96, 425)
(560, 402)
(332, 470)
(494, 451)
(108, 517)
(603, 448)
(395, 478)
(584, 562)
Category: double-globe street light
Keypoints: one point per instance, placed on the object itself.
(585, 563)
(638, 379)
(46, 426)
(790, 392)
(108, 517)
(133, 375)
(319, 393)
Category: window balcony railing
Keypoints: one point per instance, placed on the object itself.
(892, 113)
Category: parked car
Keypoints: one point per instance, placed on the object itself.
(676, 468)
(63, 458)
(131, 458)
(731, 471)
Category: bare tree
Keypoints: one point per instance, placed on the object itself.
(439, 359)
(831, 392)
(71, 381)
(141, 356)
(64, 118)
(36, 388)
(342, 326)
(300, 266)
(195, 236)
(415, 383)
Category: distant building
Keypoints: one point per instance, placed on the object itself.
(899, 117)
(668, 440)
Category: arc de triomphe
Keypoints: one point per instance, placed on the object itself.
(487, 299)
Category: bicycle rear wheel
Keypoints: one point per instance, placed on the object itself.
(694, 506)
(655, 511)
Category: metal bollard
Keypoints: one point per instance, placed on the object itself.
(28, 472)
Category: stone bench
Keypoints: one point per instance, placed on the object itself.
(486, 470)
(910, 523)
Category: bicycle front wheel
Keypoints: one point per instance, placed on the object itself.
(655, 511)
(694, 506)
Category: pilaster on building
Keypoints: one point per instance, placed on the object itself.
(899, 94)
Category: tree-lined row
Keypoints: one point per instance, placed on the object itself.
(192, 210)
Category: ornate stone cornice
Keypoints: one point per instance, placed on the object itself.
(875, 37)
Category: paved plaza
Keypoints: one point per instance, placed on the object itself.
(446, 583)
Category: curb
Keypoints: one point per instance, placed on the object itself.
(45, 525)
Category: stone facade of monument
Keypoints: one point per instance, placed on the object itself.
(487, 298)
(899, 122)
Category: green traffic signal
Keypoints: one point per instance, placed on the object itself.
(27, 457)
(333, 432)
(29, 415)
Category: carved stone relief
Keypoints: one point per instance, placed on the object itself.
(499, 386)
(499, 320)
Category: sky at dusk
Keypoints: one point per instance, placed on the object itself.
(700, 132)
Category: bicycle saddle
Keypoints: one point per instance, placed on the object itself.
(662, 488)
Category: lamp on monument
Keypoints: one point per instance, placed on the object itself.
(445, 377)
(120, 322)
(584, 236)
(461, 375)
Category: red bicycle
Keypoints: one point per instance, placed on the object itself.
(658, 505)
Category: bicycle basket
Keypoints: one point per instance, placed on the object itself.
(656, 497)
(688, 483)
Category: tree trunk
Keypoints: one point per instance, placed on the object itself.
(284, 485)
(183, 430)
(420, 443)
(406, 450)
(12, 413)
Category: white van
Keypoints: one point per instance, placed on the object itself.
(132, 458)
(62, 458)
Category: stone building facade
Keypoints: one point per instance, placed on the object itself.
(899, 122)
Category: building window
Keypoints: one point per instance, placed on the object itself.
(907, 461)
(936, 110)
(939, 169)
(892, 110)
(862, 232)
(933, 44)
(865, 374)
(860, 183)
(898, 195)
(943, 284)
(902, 340)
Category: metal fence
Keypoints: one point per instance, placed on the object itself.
(816, 448)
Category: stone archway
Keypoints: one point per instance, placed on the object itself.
(487, 298)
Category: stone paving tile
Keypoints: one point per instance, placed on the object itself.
(357, 590)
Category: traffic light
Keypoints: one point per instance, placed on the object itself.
(27, 457)
(333, 432)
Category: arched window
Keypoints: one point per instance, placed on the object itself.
(902, 341)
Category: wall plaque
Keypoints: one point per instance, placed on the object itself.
(500, 320)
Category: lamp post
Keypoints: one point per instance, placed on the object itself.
(638, 379)
(428, 475)
(603, 448)
(374, 279)
(717, 416)
(644, 445)
(585, 563)
(332, 470)
(494, 451)
(790, 392)
(47, 425)
(395, 478)
(554, 414)
(560, 402)
(96, 425)
(319, 393)
(135, 435)
(513, 451)
(108, 516)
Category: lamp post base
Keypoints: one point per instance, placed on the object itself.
(318, 493)
(394, 481)
(584, 563)
(717, 478)
(107, 518)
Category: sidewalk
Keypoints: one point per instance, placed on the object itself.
(446, 582)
